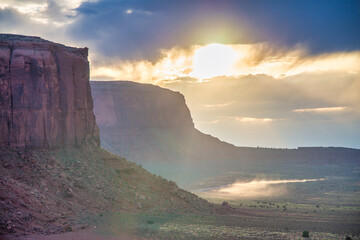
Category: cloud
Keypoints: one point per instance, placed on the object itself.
(140, 34)
(10, 18)
(246, 120)
(255, 120)
(251, 120)
(218, 105)
(216, 121)
(48, 12)
(323, 110)
(175, 64)
(48, 19)
(139, 30)
(236, 60)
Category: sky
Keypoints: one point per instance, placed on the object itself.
(254, 73)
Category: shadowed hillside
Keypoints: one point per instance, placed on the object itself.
(52, 169)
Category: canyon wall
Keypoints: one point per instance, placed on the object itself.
(45, 96)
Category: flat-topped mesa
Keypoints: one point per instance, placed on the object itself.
(45, 96)
(143, 106)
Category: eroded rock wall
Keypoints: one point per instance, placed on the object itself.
(45, 97)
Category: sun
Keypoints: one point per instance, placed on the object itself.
(213, 60)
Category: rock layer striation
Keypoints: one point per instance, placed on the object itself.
(45, 97)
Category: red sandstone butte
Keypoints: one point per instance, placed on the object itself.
(45, 96)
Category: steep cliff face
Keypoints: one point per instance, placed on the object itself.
(45, 97)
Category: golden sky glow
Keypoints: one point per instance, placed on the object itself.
(256, 91)
(213, 60)
(323, 110)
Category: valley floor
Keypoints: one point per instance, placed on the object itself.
(91, 194)
(240, 220)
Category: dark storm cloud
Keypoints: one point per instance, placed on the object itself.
(138, 29)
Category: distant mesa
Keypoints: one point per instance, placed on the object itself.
(153, 126)
(144, 122)
(45, 97)
(142, 106)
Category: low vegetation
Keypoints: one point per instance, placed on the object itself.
(197, 226)
(306, 234)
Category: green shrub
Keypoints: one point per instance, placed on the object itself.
(306, 234)
(150, 222)
(348, 238)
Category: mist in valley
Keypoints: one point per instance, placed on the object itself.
(254, 189)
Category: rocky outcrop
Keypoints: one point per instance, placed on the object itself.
(45, 97)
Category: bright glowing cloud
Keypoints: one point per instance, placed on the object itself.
(210, 122)
(323, 110)
(213, 60)
(245, 120)
(31, 9)
(27, 8)
(250, 119)
(56, 12)
(254, 120)
(175, 63)
(219, 105)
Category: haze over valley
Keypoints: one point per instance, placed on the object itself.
(155, 129)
